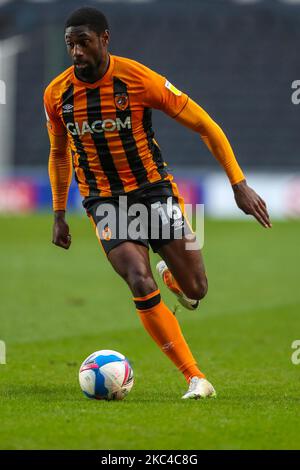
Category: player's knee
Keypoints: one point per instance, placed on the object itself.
(141, 283)
(197, 289)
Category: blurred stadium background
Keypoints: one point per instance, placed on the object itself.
(238, 59)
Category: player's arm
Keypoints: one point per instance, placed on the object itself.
(159, 93)
(195, 118)
(60, 174)
(60, 171)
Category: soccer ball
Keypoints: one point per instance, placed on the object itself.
(106, 375)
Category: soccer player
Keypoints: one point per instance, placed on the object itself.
(99, 120)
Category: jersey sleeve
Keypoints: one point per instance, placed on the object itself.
(54, 123)
(161, 94)
(194, 117)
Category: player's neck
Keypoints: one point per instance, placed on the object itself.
(98, 74)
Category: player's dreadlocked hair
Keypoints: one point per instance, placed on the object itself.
(91, 17)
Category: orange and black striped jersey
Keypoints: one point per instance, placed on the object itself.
(109, 125)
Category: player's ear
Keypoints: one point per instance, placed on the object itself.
(105, 37)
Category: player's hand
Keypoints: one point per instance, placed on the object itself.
(251, 203)
(61, 234)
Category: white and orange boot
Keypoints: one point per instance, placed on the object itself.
(172, 284)
(199, 388)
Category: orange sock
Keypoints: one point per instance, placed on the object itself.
(164, 328)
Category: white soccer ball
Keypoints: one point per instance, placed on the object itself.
(106, 375)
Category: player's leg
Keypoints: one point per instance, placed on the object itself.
(131, 261)
(184, 270)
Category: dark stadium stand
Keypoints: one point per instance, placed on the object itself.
(237, 61)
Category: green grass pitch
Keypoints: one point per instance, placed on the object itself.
(57, 307)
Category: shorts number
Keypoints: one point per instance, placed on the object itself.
(160, 210)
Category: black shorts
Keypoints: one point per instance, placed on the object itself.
(148, 216)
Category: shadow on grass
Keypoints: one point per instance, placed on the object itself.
(65, 393)
(40, 392)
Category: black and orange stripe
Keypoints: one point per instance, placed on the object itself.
(148, 301)
(105, 178)
(127, 138)
(153, 147)
(106, 160)
(83, 160)
(116, 160)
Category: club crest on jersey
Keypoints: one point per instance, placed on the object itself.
(121, 101)
(106, 234)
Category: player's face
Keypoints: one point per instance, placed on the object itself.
(87, 49)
